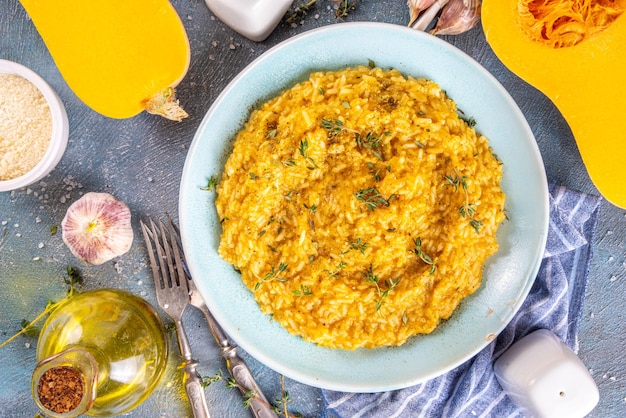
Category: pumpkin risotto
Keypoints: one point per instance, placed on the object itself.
(360, 207)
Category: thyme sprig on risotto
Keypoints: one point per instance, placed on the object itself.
(334, 273)
(423, 256)
(303, 149)
(373, 199)
(274, 274)
(382, 294)
(369, 140)
(335, 126)
(303, 291)
(468, 209)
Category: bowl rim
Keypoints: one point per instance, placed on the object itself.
(60, 128)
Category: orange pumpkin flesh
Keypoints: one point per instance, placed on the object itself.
(586, 81)
(118, 56)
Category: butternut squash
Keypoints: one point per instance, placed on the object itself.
(574, 51)
(118, 56)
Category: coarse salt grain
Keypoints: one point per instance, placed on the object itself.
(25, 126)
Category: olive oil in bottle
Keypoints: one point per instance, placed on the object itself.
(100, 353)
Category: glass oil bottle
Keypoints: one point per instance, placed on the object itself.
(100, 353)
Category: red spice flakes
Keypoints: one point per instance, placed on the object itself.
(60, 389)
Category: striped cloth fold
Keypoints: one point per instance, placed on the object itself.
(554, 302)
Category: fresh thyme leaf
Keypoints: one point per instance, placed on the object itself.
(346, 105)
(344, 8)
(456, 181)
(423, 256)
(333, 126)
(303, 291)
(370, 141)
(370, 276)
(231, 383)
(373, 199)
(53, 229)
(321, 91)
(248, 397)
(359, 245)
(28, 329)
(382, 294)
(467, 211)
(312, 208)
(303, 149)
(73, 277)
(374, 171)
(299, 12)
(211, 184)
(274, 274)
(207, 380)
(334, 273)
(476, 224)
(371, 64)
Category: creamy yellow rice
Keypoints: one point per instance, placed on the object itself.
(360, 207)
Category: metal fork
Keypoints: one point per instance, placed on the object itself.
(173, 297)
(237, 368)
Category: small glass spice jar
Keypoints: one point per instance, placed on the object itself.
(100, 353)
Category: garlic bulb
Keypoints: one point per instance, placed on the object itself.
(457, 17)
(97, 228)
(416, 7)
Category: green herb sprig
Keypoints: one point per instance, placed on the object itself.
(467, 210)
(373, 199)
(344, 8)
(303, 291)
(303, 149)
(28, 328)
(274, 274)
(280, 406)
(300, 11)
(211, 184)
(334, 273)
(382, 294)
(369, 140)
(423, 256)
(359, 245)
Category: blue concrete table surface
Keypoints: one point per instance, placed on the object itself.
(140, 160)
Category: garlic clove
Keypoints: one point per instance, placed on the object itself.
(457, 17)
(97, 228)
(416, 7)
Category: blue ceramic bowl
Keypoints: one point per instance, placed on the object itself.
(508, 275)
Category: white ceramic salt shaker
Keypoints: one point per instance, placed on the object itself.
(545, 378)
(254, 19)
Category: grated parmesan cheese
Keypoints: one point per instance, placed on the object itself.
(25, 126)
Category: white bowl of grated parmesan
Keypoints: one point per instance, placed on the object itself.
(34, 127)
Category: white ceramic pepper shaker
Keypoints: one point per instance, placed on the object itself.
(545, 378)
(254, 19)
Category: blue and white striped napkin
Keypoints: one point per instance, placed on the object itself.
(554, 302)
